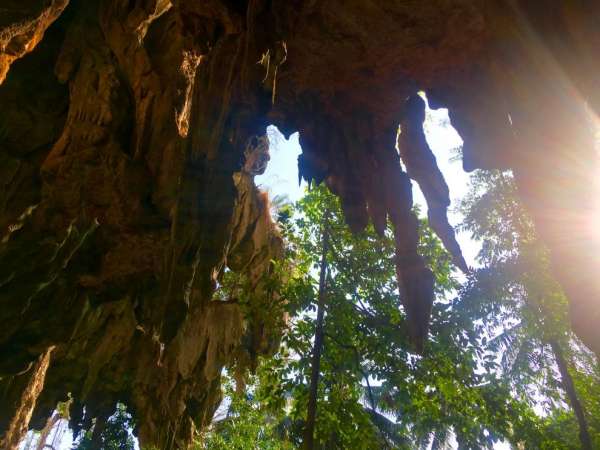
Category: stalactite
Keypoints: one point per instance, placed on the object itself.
(422, 167)
(17, 428)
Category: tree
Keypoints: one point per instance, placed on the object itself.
(113, 434)
(373, 391)
(244, 425)
(309, 432)
(489, 364)
(524, 310)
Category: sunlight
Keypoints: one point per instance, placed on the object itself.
(595, 225)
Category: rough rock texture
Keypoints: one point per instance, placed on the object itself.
(129, 137)
(19, 424)
(22, 26)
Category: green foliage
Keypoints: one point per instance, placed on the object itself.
(520, 310)
(374, 392)
(115, 435)
(244, 426)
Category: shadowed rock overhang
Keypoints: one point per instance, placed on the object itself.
(130, 132)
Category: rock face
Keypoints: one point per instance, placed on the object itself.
(22, 25)
(130, 132)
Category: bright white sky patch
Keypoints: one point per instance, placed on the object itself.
(444, 141)
(281, 176)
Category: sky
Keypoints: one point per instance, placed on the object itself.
(281, 176)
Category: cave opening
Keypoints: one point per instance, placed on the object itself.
(124, 134)
(280, 179)
(282, 183)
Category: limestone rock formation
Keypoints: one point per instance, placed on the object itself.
(22, 26)
(130, 131)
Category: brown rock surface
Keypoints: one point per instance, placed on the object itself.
(124, 127)
(22, 26)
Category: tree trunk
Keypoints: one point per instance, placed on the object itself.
(569, 387)
(52, 420)
(96, 441)
(309, 431)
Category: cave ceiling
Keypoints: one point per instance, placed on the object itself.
(131, 130)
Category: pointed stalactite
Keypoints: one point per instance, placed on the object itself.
(415, 280)
(379, 194)
(422, 167)
(19, 424)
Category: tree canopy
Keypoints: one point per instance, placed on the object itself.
(489, 372)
